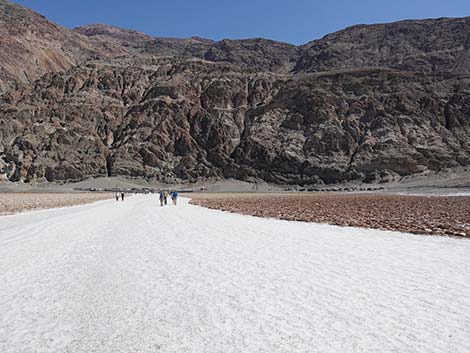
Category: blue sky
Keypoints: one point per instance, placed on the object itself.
(293, 21)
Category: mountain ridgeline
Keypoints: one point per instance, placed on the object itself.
(369, 103)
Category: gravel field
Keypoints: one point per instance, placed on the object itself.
(433, 215)
(11, 203)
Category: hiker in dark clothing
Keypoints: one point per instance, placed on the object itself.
(161, 198)
(122, 196)
(165, 197)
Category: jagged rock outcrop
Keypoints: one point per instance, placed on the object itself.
(188, 119)
(369, 103)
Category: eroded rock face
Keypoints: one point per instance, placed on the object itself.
(185, 120)
(369, 103)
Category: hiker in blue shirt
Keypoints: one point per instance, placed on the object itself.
(162, 196)
(174, 197)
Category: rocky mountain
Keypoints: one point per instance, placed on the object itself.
(125, 37)
(31, 46)
(369, 103)
(253, 54)
(256, 54)
(430, 46)
(167, 119)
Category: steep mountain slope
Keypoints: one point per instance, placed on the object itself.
(421, 45)
(168, 119)
(31, 46)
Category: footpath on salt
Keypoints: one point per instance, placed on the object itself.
(134, 277)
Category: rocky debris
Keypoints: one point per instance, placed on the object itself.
(411, 214)
(19, 202)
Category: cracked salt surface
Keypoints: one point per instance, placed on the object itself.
(134, 277)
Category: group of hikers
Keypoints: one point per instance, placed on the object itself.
(164, 197)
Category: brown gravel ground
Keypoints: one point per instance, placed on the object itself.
(11, 203)
(434, 215)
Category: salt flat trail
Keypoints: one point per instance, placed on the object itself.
(134, 277)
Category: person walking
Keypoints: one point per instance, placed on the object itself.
(117, 196)
(122, 196)
(174, 197)
(161, 198)
(165, 197)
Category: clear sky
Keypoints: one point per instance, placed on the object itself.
(293, 21)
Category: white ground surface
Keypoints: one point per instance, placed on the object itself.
(133, 277)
